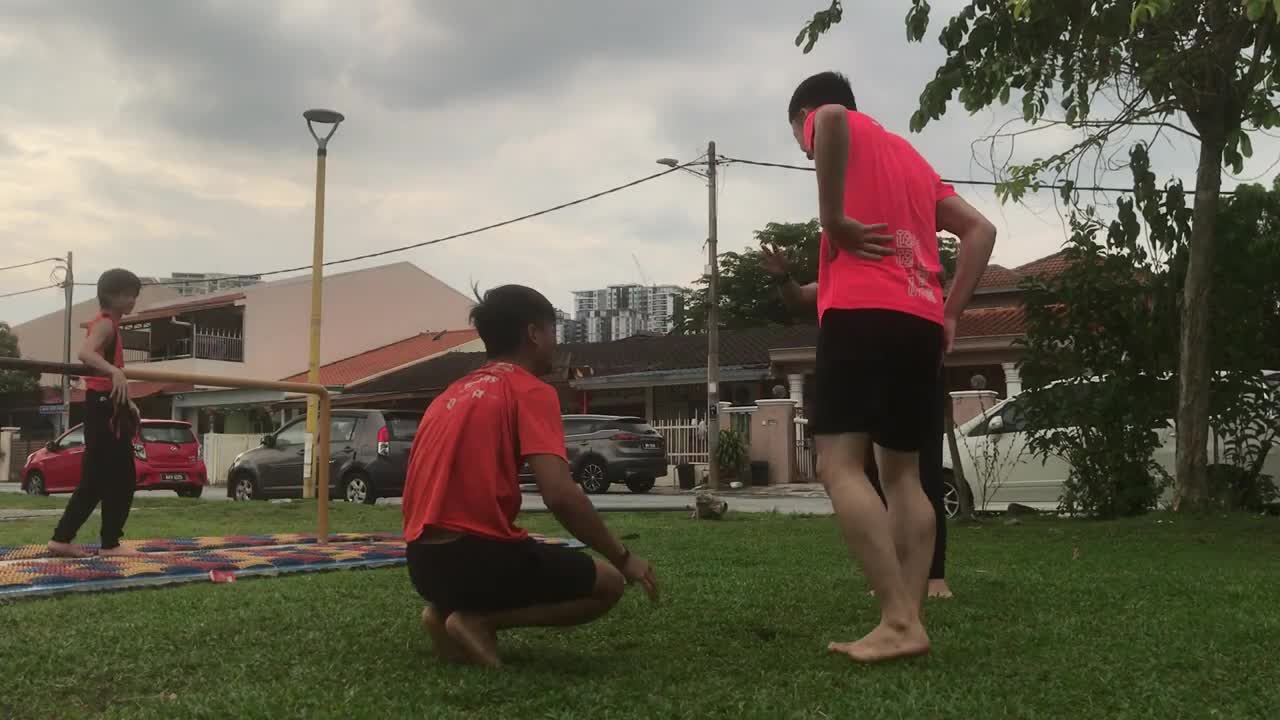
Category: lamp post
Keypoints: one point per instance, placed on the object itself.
(332, 118)
(713, 314)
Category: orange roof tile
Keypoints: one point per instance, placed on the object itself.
(992, 322)
(359, 367)
(998, 277)
(1048, 265)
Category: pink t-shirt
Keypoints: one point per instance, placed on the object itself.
(887, 182)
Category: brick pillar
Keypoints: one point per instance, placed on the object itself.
(723, 416)
(773, 438)
(970, 403)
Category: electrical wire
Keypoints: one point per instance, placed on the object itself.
(435, 241)
(26, 292)
(29, 264)
(984, 183)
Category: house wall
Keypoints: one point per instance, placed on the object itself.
(362, 310)
(42, 338)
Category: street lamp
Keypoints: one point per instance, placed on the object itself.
(332, 118)
(713, 315)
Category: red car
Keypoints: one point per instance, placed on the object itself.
(166, 455)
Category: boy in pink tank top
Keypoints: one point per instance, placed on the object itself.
(883, 329)
(107, 475)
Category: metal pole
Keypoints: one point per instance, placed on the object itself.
(69, 288)
(313, 357)
(713, 327)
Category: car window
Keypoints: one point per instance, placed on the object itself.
(73, 439)
(295, 434)
(579, 427)
(403, 427)
(168, 434)
(342, 428)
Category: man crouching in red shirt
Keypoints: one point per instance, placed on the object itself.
(468, 559)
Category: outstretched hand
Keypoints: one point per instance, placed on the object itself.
(773, 260)
(869, 242)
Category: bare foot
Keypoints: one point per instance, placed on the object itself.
(122, 551)
(474, 638)
(67, 550)
(885, 643)
(938, 589)
(444, 645)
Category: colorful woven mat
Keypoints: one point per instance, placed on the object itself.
(28, 573)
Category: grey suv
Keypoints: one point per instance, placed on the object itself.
(368, 458)
(607, 449)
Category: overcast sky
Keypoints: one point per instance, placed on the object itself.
(167, 136)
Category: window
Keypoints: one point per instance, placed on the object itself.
(73, 439)
(342, 429)
(403, 427)
(170, 434)
(295, 434)
(579, 427)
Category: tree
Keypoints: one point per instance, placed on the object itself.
(746, 299)
(13, 380)
(746, 293)
(1147, 64)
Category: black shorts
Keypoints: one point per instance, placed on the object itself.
(478, 574)
(877, 373)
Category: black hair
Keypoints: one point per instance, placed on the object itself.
(117, 282)
(825, 88)
(504, 314)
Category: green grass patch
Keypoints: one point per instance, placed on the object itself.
(1153, 618)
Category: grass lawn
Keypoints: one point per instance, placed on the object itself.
(1146, 618)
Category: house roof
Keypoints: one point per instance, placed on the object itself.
(156, 312)
(991, 322)
(358, 367)
(1048, 265)
(998, 277)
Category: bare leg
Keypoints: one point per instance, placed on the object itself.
(864, 523)
(911, 516)
(477, 634)
(433, 622)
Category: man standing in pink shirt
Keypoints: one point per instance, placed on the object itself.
(883, 331)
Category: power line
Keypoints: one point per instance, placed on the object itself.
(435, 241)
(29, 264)
(26, 292)
(984, 183)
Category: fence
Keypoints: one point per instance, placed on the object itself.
(740, 420)
(686, 440)
(806, 454)
(220, 450)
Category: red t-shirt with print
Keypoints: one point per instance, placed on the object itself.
(465, 462)
(886, 181)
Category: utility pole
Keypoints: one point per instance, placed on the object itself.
(69, 287)
(713, 327)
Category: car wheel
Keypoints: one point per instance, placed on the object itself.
(358, 489)
(244, 487)
(35, 484)
(950, 495)
(191, 492)
(641, 485)
(593, 477)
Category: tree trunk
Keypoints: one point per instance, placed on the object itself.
(957, 468)
(1193, 362)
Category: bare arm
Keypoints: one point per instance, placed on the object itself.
(831, 158)
(977, 238)
(799, 297)
(571, 507)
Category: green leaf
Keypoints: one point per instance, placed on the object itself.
(1255, 9)
(1246, 145)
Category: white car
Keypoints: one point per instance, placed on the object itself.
(1000, 468)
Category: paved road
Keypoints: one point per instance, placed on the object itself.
(612, 502)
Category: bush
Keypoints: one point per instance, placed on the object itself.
(731, 453)
(1233, 488)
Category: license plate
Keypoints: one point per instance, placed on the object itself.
(650, 446)
(175, 477)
